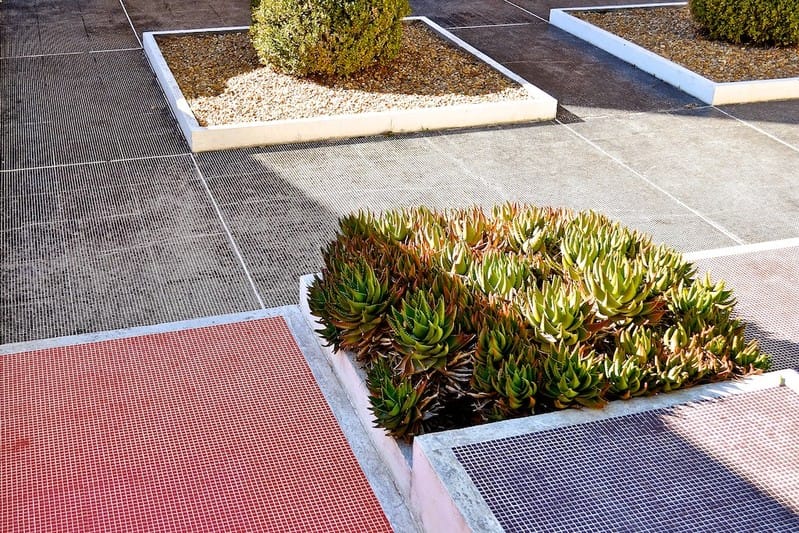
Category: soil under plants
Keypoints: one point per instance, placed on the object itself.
(223, 82)
(671, 32)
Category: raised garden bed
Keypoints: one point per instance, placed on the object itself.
(223, 99)
(661, 40)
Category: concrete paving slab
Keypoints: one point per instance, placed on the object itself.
(585, 80)
(780, 119)
(458, 13)
(731, 173)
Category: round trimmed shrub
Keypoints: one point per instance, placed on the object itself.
(327, 37)
(764, 22)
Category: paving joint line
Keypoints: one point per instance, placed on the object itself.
(655, 186)
(759, 130)
(132, 27)
(526, 11)
(233, 243)
(765, 246)
(98, 162)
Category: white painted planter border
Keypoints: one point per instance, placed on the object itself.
(440, 492)
(539, 106)
(698, 86)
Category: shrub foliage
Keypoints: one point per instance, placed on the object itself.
(326, 37)
(766, 22)
(462, 317)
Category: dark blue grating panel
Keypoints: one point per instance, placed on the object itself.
(723, 465)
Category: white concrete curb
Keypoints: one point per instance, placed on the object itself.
(692, 83)
(539, 106)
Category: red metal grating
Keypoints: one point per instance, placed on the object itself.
(214, 429)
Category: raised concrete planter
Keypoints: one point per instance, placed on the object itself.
(429, 476)
(395, 454)
(539, 106)
(692, 83)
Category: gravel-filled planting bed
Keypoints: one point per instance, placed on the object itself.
(220, 76)
(671, 33)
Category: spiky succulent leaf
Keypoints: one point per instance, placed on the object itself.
(469, 226)
(456, 258)
(556, 312)
(748, 356)
(398, 406)
(702, 298)
(501, 274)
(626, 375)
(423, 328)
(354, 224)
(617, 288)
(396, 225)
(664, 268)
(572, 375)
(516, 384)
(319, 294)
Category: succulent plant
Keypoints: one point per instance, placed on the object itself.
(354, 305)
(528, 230)
(424, 331)
(578, 252)
(500, 274)
(459, 316)
(617, 287)
(638, 342)
(748, 356)
(319, 294)
(701, 298)
(626, 375)
(456, 258)
(499, 339)
(398, 406)
(556, 312)
(469, 226)
(664, 268)
(670, 373)
(395, 225)
(516, 384)
(360, 223)
(572, 375)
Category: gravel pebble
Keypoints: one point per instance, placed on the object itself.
(223, 82)
(672, 33)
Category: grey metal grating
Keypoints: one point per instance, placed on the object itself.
(767, 287)
(721, 465)
(104, 246)
(76, 113)
(38, 28)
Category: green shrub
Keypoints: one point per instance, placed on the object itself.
(463, 317)
(326, 37)
(765, 22)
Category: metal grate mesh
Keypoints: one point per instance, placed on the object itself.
(85, 108)
(722, 465)
(113, 245)
(41, 27)
(212, 429)
(767, 287)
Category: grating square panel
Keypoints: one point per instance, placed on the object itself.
(121, 233)
(766, 285)
(213, 429)
(720, 465)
